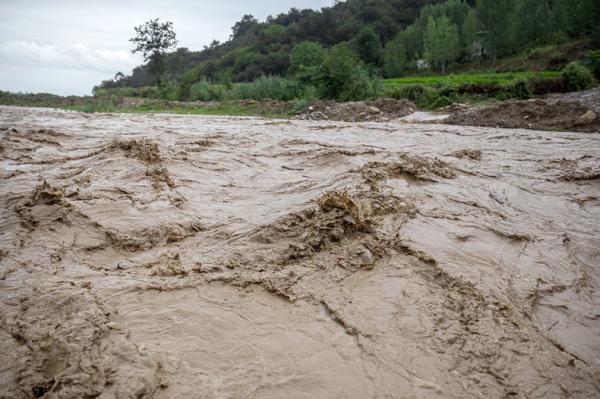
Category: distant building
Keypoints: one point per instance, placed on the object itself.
(422, 64)
(477, 48)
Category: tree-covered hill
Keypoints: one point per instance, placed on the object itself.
(337, 51)
(263, 48)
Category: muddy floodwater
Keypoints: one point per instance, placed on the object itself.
(173, 256)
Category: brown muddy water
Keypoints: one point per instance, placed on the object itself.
(219, 257)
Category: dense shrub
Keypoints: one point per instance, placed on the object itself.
(205, 91)
(169, 92)
(344, 78)
(273, 87)
(361, 86)
(423, 96)
(577, 76)
(515, 90)
(144, 92)
(592, 61)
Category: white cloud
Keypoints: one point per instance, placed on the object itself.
(66, 56)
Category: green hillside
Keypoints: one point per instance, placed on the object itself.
(342, 52)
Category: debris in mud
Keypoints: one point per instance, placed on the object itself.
(364, 256)
(166, 266)
(581, 175)
(413, 167)
(467, 153)
(200, 145)
(382, 109)
(357, 209)
(570, 170)
(531, 114)
(45, 194)
(341, 231)
(150, 237)
(147, 151)
(204, 143)
(141, 149)
(159, 176)
(47, 203)
(586, 119)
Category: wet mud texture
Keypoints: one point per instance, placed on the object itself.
(568, 112)
(218, 257)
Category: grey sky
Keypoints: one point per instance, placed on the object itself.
(68, 46)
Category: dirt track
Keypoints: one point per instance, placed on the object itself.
(171, 256)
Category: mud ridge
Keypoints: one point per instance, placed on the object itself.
(150, 237)
(474, 155)
(147, 152)
(341, 229)
(408, 166)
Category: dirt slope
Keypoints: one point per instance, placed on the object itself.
(579, 112)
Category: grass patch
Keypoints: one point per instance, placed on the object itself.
(471, 78)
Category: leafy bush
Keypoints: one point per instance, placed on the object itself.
(592, 61)
(205, 91)
(169, 92)
(516, 90)
(577, 76)
(145, 92)
(305, 61)
(441, 101)
(423, 96)
(343, 78)
(273, 87)
(361, 86)
(299, 106)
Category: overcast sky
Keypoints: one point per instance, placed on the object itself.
(68, 46)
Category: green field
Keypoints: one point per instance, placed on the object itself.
(499, 78)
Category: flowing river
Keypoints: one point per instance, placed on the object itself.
(222, 257)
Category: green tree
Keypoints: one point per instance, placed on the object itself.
(368, 45)
(306, 59)
(495, 17)
(344, 78)
(246, 24)
(456, 10)
(441, 42)
(338, 68)
(153, 39)
(532, 22)
(469, 33)
(394, 58)
(577, 17)
(272, 35)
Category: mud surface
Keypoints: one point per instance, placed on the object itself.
(570, 112)
(218, 257)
